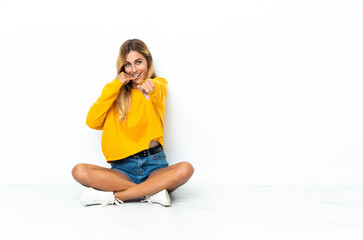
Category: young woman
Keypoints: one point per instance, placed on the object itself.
(130, 111)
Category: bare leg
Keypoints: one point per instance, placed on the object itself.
(168, 178)
(101, 178)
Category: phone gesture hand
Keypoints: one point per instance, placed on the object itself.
(124, 77)
(146, 87)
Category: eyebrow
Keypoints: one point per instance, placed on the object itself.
(138, 59)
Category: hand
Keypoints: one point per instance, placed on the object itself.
(124, 78)
(146, 87)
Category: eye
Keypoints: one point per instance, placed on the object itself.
(139, 62)
(127, 64)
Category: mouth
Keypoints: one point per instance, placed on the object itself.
(137, 76)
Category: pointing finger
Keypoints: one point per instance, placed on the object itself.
(142, 89)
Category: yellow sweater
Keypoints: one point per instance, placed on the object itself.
(145, 121)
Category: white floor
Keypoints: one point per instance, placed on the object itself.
(198, 212)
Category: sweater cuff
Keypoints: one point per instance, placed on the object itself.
(116, 84)
(143, 81)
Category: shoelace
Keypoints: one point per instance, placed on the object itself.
(148, 199)
(111, 201)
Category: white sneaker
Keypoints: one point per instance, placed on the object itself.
(161, 197)
(92, 196)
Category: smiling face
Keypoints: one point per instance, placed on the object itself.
(136, 65)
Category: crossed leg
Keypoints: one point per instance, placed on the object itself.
(105, 179)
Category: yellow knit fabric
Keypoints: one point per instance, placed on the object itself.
(144, 123)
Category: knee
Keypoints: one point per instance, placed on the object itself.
(79, 172)
(185, 170)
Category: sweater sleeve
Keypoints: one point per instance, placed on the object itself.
(97, 113)
(160, 91)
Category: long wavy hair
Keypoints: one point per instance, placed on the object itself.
(124, 95)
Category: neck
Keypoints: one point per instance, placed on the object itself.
(134, 85)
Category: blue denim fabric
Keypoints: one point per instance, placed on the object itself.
(138, 169)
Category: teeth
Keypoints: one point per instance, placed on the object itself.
(137, 75)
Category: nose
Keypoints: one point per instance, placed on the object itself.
(133, 69)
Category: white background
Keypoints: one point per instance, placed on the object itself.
(260, 92)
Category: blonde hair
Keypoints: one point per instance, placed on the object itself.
(124, 95)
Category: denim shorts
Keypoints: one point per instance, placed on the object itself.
(138, 169)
